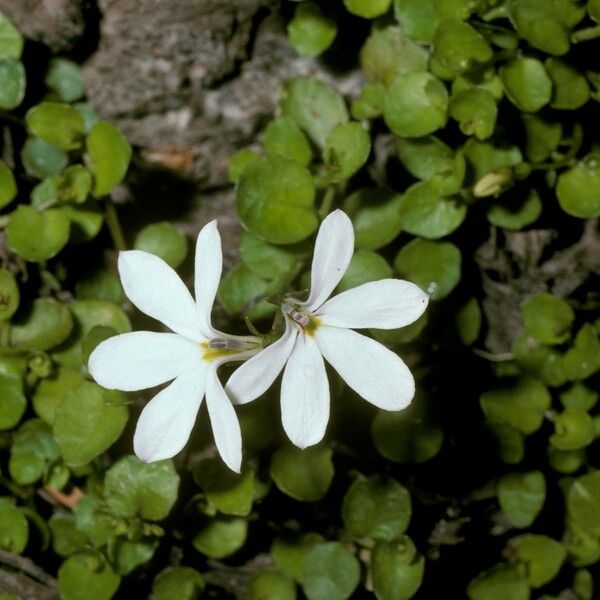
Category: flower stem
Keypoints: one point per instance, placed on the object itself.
(327, 202)
(114, 226)
(585, 34)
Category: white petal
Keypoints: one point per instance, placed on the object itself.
(305, 394)
(224, 422)
(368, 367)
(166, 422)
(256, 375)
(333, 251)
(142, 359)
(209, 263)
(156, 289)
(384, 304)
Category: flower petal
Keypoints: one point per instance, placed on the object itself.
(256, 375)
(143, 359)
(368, 367)
(333, 251)
(224, 422)
(166, 422)
(209, 263)
(384, 304)
(156, 289)
(305, 394)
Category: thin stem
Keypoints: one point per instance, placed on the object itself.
(114, 226)
(501, 357)
(251, 328)
(327, 202)
(585, 34)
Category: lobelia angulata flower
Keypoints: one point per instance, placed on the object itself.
(189, 357)
(319, 328)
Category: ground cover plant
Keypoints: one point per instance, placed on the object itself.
(445, 206)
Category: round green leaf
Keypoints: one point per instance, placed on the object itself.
(520, 404)
(181, 583)
(522, 496)
(527, 84)
(571, 89)
(243, 292)
(85, 424)
(377, 509)
(289, 554)
(100, 285)
(579, 397)
(583, 503)
(284, 138)
(547, 318)
(426, 157)
(425, 213)
(80, 578)
(163, 240)
(346, 150)
(302, 474)
(583, 358)
(330, 572)
(8, 185)
(510, 443)
(415, 105)
(514, 216)
(32, 452)
(314, 106)
(9, 295)
(418, 19)
(310, 32)
(365, 266)
(499, 583)
(566, 461)
(221, 537)
(578, 189)
(475, 110)
(238, 163)
(396, 569)
(369, 103)
(14, 403)
(369, 9)
(573, 429)
(107, 156)
(56, 123)
(485, 158)
(51, 391)
(42, 159)
(275, 200)
(433, 266)
(11, 40)
(543, 137)
(66, 538)
(12, 83)
(133, 488)
(271, 585)
(14, 530)
(66, 79)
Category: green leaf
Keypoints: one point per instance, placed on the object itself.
(542, 137)
(14, 530)
(302, 474)
(578, 189)
(314, 106)
(50, 392)
(86, 220)
(406, 438)
(66, 538)
(468, 321)
(426, 213)
(37, 236)
(583, 582)
(375, 215)
(365, 266)
(475, 110)
(66, 79)
(275, 200)
(389, 52)
(12, 83)
(8, 185)
(107, 156)
(566, 461)
(230, 493)
(100, 285)
(330, 572)
(56, 123)
(579, 397)
(9, 295)
(418, 19)
(180, 583)
(221, 537)
(510, 443)
(85, 424)
(289, 554)
(133, 488)
(433, 266)
(284, 138)
(573, 429)
(583, 359)
(377, 509)
(547, 318)
(80, 577)
(42, 326)
(415, 105)
(526, 83)
(485, 158)
(396, 570)
(520, 404)
(11, 40)
(14, 403)
(369, 103)
(163, 240)
(571, 89)
(130, 554)
(42, 159)
(238, 163)
(583, 503)
(310, 32)
(522, 496)
(271, 585)
(346, 150)
(499, 583)
(545, 24)
(514, 216)
(369, 9)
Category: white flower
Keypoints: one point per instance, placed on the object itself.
(190, 356)
(318, 328)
